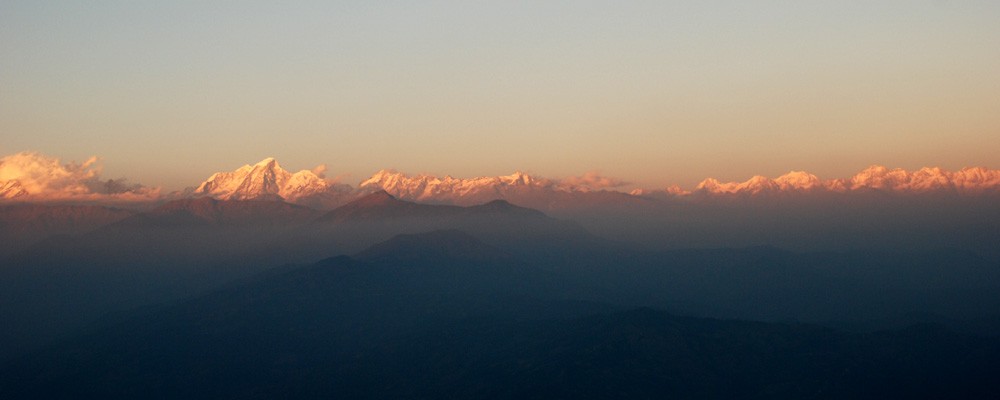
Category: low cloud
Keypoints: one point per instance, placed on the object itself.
(592, 180)
(319, 171)
(39, 177)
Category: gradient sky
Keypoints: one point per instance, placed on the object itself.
(656, 92)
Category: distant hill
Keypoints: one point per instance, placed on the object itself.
(443, 315)
(22, 225)
(206, 211)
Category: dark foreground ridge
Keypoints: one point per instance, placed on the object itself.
(443, 315)
(224, 299)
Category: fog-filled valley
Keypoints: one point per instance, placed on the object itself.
(497, 199)
(383, 297)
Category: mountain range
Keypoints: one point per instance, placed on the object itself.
(267, 179)
(28, 177)
(876, 177)
(186, 245)
(200, 296)
(443, 314)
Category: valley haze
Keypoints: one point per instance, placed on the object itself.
(882, 249)
(500, 200)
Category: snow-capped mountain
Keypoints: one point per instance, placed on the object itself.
(450, 190)
(550, 194)
(799, 180)
(966, 180)
(267, 180)
(31, 177)
(12, 189)
(262, 181)
(874, 178)
(519, 188)
(795, 181)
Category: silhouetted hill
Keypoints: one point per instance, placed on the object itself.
(521, 231)
(502, 207)
(175, 250)
(381, 206)
(206, 212)
(408, 325)
(446, 244)
(22, 225)
(191, 245)
(496, 250)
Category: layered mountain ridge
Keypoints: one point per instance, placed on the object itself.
(429, 187)
(876, 177)
(262, 180)
(267, 180)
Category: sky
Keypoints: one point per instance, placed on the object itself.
(654, 92)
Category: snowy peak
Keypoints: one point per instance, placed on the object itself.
(383, 177)
(12, 189)
(754, 185)
(522, 188)
(792, 181)
(32, 177)
(519, 178)
(976, 178)
(875, 177)
(261, 181)
(798, 180)
(400, 185)
(879, 177)
(430, 188)
(967, 180)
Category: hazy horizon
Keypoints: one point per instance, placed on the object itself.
(654, 93)
(502, 199)
(49, 178)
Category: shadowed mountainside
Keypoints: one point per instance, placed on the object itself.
(188, 247)
(443, 314)
(22, 225)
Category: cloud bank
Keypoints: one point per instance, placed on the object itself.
(35, 177)
(29, 176)
(592, 180)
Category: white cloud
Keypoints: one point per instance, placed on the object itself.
(320, 170)
(47, 178)
(592, 180)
